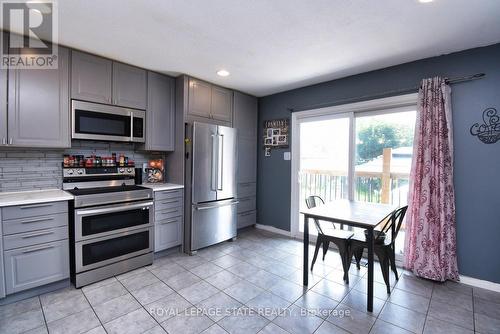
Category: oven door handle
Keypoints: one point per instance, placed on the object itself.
(87, 212)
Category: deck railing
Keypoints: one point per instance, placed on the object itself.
(378, 187)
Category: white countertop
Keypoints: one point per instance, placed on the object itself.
(33, 197)
(162, 186)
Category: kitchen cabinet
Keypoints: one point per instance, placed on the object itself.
(3, 107)
(247, 159)
(246, 121)
(245, 114)
(200, 97)
(29, 267)
(102, 80)
(208, 102)
(168, 233)
(2, 276)
(169, 220)
(160, 113)
(91, 77)
(38, 106)
(129, 86)
(34, 245)
(221, 106)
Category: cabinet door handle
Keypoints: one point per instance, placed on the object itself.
(166, 212)
(247, 214)
(33, 206)
(168, 222)
(37, 235)
(37, 249)
(168, 202)
(37, 220)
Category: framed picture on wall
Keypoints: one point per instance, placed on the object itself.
(276, 133)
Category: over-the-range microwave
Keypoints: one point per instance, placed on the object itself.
(96, 121)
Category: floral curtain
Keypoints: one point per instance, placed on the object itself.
(430, 242)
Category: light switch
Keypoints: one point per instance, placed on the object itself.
(286, 156)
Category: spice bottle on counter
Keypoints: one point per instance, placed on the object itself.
(122, 160)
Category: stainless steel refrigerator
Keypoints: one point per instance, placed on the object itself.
(212, 158)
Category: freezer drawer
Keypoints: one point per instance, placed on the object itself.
(212, 223)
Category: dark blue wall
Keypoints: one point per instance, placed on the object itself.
(477, 165)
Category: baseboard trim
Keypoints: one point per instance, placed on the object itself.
(479, 283)
(273, 230)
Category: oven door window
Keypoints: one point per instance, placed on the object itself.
(106, 222)
(97, 123)
(111, 248)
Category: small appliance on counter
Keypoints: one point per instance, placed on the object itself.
(155, 171)
(138, 175)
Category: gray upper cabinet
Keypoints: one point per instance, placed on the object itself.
(91, 78)
(247, 160)
(245, 120)
(245, 114)
(200, 98)
(3, 106)
(129, 86)
(160, 122)
(209, 102)
(38, 106)
(221, 107)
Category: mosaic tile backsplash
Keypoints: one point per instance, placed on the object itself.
(32, 169)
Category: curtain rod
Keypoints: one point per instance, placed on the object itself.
(384, 94)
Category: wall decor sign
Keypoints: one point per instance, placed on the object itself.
(276, 133)
(489, 131)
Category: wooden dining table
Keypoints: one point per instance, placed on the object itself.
(356, 214)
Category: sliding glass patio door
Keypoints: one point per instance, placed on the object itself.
(324, 159)
(364, 155)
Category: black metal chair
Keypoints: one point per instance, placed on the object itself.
(384, 240)
(327, 234)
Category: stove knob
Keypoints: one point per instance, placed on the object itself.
(80, 171)
(70, 171)
(121, 170)
(129, 170)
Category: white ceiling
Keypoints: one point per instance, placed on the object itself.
(275, 45)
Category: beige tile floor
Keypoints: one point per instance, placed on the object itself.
(253, 285)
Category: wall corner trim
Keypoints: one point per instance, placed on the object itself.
(273, 230)
(479, 283)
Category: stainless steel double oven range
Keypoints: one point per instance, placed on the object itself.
(111, 223)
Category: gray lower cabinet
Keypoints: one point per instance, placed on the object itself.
(38, 106)
(169, 219)
(34, 245)
(91, 77)
(160, 113)
(129, 86)
(2, 276)
(245, 120)
(29, 267)
(168, 233)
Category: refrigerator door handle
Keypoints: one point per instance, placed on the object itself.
(215, 161)
(220, 156)
(207, 207)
